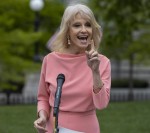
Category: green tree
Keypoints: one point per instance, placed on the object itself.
(120, 20)
(17, 38)
(125, 24)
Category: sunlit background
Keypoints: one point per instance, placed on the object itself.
(27, 28)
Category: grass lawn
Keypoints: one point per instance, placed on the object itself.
(122, 117)
(125, 117)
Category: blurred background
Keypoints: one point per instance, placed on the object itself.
(27, 28)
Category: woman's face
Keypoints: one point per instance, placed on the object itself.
(80, 33)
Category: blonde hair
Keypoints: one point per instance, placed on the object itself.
(60, 42)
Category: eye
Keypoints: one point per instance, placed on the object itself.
(76, 25)
(88, 24)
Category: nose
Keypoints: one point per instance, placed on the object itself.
(83, 29)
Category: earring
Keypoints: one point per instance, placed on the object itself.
(68, 40)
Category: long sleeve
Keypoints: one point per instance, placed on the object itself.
(77, 93)
(43, 91)
(101, 99)
(78, 98)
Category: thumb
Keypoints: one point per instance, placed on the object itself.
(40, 121)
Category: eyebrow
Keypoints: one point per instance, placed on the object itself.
(87, 21)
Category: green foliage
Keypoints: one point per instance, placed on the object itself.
(18, 38)
(120, 20)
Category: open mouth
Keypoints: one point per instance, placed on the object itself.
(83, 39)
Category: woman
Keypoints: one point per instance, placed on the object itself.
(87, 75)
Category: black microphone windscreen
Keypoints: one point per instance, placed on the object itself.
(61, 76)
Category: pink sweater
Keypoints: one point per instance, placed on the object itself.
(78, 101)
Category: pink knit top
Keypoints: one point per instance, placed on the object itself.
(78, 101)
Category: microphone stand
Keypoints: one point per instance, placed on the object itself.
(55, 114)
(60, 81)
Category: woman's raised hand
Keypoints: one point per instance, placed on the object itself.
(93, 58)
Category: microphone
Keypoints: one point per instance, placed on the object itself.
(60, 81)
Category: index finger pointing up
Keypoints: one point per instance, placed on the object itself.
(92, 45)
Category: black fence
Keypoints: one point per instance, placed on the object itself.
(124, 95)
(17, 99)
(117, 95)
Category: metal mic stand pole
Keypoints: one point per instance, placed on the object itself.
(55, 114)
